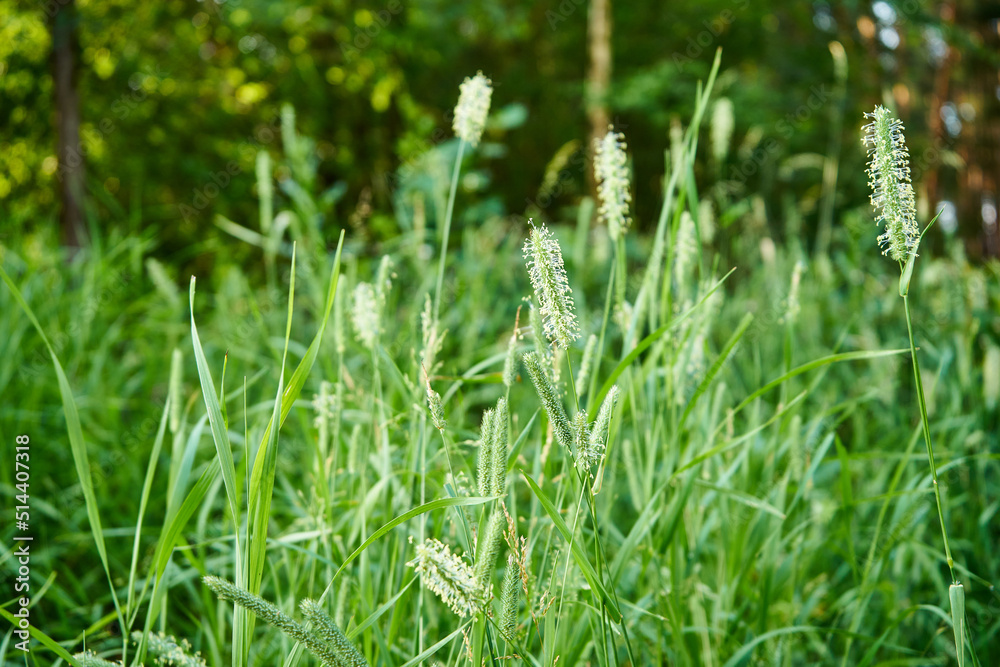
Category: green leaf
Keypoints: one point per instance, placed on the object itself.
(645, 343)
(717, 366)
(46, 641)
(904, 278)
(215, 418)
(76, 442)
(406, 516)
(581, 559)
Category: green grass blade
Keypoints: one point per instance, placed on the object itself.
(147, 486)
(816, 363)
(581, 559)
(645, 343)
(46, 641)
(77, 444)
(716, 367)
(215, 418)
(434, 648)
(406, 516)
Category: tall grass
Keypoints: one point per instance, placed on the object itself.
(720, 469)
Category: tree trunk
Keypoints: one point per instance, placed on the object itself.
(598, 76)
(63, 23)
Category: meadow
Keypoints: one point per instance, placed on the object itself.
(326, 452)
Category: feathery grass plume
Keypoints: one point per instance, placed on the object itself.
(706, 221)
(551, 401)
(487, 548)
(383, 281)
(365, 315)
(508, 598)
(792, 305)
(889, 179)
(538, 331)
(473, 106)
(611, 174)
(322, 404)
(685, 249)
(722, 128)
(598, 440)
(991, 376)
(431, 340)
(448, 576)
(581, 440)
(176, 377)
(347, 652)
(548, 279)
(169, 651)
(498, 451)
(270, 614)
(589, 350)
(510, 362)
(435, 407)
(91, 659)
(487, 439)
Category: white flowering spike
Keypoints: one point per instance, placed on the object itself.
(722, 128)
(448, 576)
(611, 174)
(472, 108)
(592, 452)
(365, 314)
(435, 407)
(548, 279)
(889, 179)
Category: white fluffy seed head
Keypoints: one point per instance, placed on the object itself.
(611, 174)
(889, 179)
(723, 123)
(365, 313)
(548, 279)
(472, 108)
(448, 576)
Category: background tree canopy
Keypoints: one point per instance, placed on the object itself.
(178, 97)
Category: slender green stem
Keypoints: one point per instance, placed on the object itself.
(927, 437)
(447, 228)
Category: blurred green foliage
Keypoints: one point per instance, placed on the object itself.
(178, 97)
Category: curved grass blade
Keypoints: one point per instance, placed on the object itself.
(717, 366)
(77, 444)
(816, 363)
(646, 342)
(46, 641)
(131, 609)
(581, 559)
(406, 516)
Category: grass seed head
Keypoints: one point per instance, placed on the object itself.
(347, 653)
(551, 401)
(509, 597)
(548, 279)
(365, 315)
(889, 179)
(447, 576)
(473, 106)
(611, 174)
